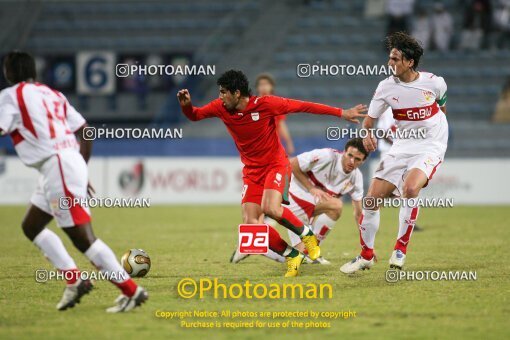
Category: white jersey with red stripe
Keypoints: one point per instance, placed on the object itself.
(40, 121)
(415, 105)
(324, 168)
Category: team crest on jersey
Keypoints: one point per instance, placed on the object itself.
(428, 95)
(255, 116)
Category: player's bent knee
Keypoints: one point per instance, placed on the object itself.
(26, 230)
(250, 220)
(31, 230)
(338, 206)
(34, 222)
(272, 211)
(29, 233)
(83, 244)
(334, 214)
(411, 190)
(335, 211)
(81, 236)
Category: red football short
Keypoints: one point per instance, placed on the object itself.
(255, 182)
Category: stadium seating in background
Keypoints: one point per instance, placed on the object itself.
(138, 28)
(252, 35)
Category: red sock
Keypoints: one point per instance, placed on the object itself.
(71, 275)
(128, 287)
(367, 253)
(407, 221)
(404, 240)
(276, 243)
(291, 222)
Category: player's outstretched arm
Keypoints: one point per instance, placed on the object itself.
(354, 113)
(184, 98)
(287, 105)
(194, 113)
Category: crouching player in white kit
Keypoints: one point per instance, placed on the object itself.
(417, 100)
(319, 179)
(42, 125)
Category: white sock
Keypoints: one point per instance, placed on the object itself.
(104, 259)
(306, 231)
(53, 248)
(321, 226)
(407, 220)
(274, 256)
(368, 228)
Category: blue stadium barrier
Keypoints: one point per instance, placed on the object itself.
(186, 147)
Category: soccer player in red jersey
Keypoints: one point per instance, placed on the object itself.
(267, 171)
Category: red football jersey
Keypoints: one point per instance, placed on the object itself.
(254, 129)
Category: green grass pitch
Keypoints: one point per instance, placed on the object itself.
(196, 241)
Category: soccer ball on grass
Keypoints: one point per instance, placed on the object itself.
(136, 262)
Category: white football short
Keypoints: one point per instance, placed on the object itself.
(394, 167)
(301, 203)
(62, 185)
